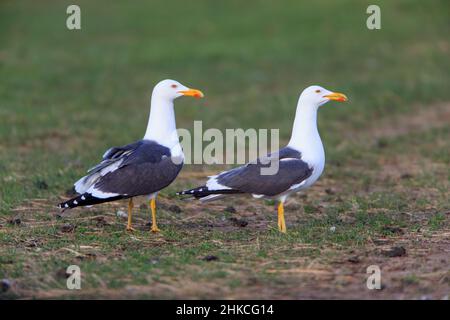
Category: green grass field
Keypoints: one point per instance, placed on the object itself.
(67, 96)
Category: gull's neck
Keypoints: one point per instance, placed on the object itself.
(305, 135)
(161, 123)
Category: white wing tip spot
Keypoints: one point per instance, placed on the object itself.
(75, 202)
(66, 205)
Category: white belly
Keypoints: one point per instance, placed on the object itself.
(317, 172)
(316, 160)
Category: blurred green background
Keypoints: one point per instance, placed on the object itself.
(66, 96)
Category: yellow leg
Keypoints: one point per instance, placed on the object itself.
(130, 211)
(153, 207)
(281, 223)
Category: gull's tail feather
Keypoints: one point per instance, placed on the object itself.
(203, 193)
(85, 199)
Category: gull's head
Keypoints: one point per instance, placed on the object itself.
(318, 96)
(171, 89)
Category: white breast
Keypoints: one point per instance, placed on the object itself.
(177, 154)
(317, 163)
(314, 155)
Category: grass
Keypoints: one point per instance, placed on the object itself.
(66, 96)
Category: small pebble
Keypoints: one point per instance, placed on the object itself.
(406, 176)
(230, 209)
(354, 259)
(239, 222)
(382, 143)
(393, 230)
(332, 229)
(395, 252)
(210, 258)
(15, 220)
(5, 285)
(174, 208)
(67, 228)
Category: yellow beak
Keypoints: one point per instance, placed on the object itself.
(336, 96)
(192, 93)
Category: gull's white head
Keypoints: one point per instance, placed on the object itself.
(318, 96)
(171, 89)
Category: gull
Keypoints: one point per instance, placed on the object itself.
(298, 165)
(144, 167)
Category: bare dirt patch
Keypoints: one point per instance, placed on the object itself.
(432, 116)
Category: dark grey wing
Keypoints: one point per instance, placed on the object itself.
(139, 178)
(112, 160)
(250, 179)
(139, 168)
(147, 169)
(114, 155)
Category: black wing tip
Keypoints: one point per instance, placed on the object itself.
(86, 199)
(66, 205)
(186, 192)
(203, 191)
(195, 192)
(80, 200)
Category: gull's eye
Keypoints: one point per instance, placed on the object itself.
(174, 86)
(317, 91)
